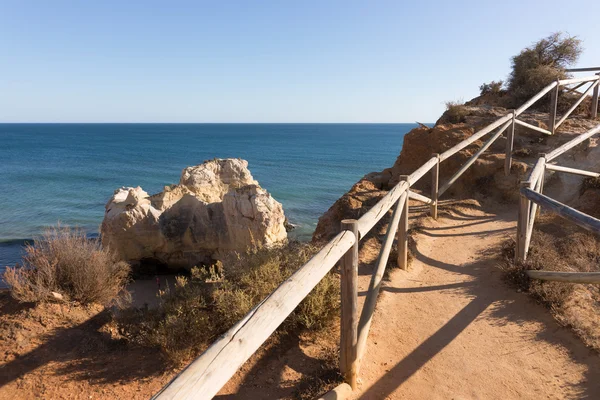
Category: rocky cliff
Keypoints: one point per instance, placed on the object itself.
(484, 178)
(216, 208)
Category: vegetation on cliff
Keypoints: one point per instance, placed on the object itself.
(201, 307)
(64, 265)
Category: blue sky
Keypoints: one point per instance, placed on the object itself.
(264, 61)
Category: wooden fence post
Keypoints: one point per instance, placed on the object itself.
(594, 105)
(403, 232)
(349, 297)
(553, 107)
(435, 185)
(522, 222)
(510, 138)
(542, 155)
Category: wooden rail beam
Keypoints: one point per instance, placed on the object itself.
(583, 220)
(450, 152)
(572, 143)
(419, 197)
(583, 69)
(570, 277)
(574, 88)
(473, 158)
(574, 171)
(510, 139)
(533, 127)
(421, 171)
(371, 217)
(564, 82)
(206, 375)
(577, 103)
(435, 185)
(349, 306)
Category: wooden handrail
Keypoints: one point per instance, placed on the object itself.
(576, 104)
(572, 143)
(565, 82)
(474, 158)
(206, 375)
(533, 127)
(574, 171)
(450, 152)
(371, 217)
(419, 197)
(570, 277)
(583, 220)
(583, 69)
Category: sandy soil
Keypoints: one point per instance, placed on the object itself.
(449, 328)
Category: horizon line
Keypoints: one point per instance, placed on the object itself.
(214, 123)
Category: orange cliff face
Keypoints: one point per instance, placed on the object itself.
(484, 178)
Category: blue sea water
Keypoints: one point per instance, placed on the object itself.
(67, 172)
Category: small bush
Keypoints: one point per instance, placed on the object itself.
(65, 265)
(494, 88)
(197, 310)
(522, 152)
(540, 64)
(589, 183)
(560, 246)
(456, 112)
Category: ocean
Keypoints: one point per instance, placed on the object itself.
(65, 173)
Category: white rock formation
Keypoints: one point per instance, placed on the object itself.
(217, 208)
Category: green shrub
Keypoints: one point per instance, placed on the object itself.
(589, 183)
(540, 64)
(456, 112)
(196, 311)
(494, 87)
(65, 265)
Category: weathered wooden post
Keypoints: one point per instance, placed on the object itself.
(542, 156)
(403, 231)
(349, 297)
(435, 185)
(522, 222)
(553, 107)
(510, 138)
(594, 105)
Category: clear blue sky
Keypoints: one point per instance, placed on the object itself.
(264, 61)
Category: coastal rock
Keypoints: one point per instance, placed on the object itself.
(216, 208)
(486, 176)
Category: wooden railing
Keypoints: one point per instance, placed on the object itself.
(531, 197)
(206, 375)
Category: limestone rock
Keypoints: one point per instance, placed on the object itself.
(216, 208)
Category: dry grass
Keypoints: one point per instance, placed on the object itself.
(64, 265)
(196, 311)
(560, 246)
(456, 112)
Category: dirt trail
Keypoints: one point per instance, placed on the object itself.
(450, 328)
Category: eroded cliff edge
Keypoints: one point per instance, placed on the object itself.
(485, 178)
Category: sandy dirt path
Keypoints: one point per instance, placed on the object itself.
(450, 328)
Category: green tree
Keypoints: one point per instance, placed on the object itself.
(540, 64)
